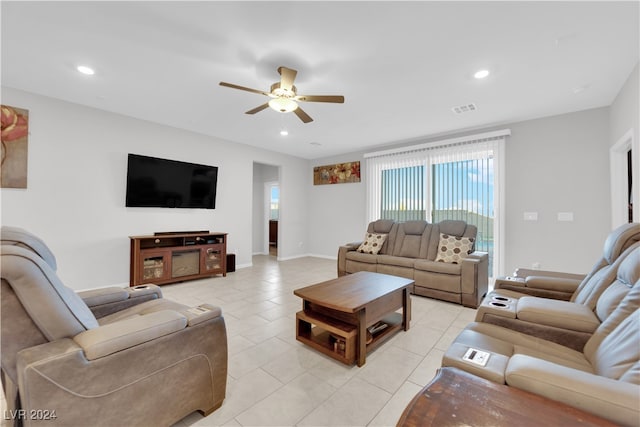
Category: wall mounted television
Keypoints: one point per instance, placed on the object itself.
(154, 182)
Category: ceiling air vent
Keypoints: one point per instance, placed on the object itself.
(464, 108)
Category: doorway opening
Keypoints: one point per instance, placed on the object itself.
(273, 207)
(625, 186)
(266, 208)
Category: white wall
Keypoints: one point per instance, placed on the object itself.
(77, 179)
(553, 164)
(337, 213)
(558, 164)
(625, 109)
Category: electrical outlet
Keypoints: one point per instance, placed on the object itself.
(536, 266)
(530, 216)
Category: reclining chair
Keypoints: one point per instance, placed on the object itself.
(602, 378)
(566, 286)
(570, 323)
(151, 363)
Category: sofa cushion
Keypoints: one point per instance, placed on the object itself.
(35, 283)
(411, 241)
(438, 267)
(361, 257)
(561, 314)
(21, 237)
(454, 249)
(396, 260)
(372, 243)
(453, 226)
(620, 350)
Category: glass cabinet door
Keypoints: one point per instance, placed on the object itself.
(155, 265)
(212, 258)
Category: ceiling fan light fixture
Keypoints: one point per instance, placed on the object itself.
(283, 105)
(85, 70)
(481, 74)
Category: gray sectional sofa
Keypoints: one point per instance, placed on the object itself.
(584, 352)
(411, 250)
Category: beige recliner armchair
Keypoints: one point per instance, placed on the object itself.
(570, 323)
(151, 363)
(602, 378)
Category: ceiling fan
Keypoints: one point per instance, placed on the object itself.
(284, 95)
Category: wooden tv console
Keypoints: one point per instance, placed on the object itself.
(174, 257)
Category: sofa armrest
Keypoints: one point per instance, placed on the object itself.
(114, 337)
(474, 271)
(101, 296)
(105, 301)
(525, 272)
(605, 397)
(561, 284)
(342, 254)
(553, 287)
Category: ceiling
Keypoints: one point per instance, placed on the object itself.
(401, 66)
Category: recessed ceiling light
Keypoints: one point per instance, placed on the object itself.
(481, 74)
(85, 70)
(284, 132)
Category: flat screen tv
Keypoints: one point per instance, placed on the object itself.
(154, 182)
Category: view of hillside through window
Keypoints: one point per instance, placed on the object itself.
(461, 190)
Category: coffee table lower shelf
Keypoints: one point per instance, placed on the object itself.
(336, 338)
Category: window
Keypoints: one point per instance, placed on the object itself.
(274, 202)
(464, 190)
(455, 179)
(402, 194)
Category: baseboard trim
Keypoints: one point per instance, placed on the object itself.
(332, 258)
(307, 256)
(250, 264)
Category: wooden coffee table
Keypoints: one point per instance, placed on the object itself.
(337, 314)
(456, 398)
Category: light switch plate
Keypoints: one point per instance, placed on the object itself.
(565, 216)
(531, 216)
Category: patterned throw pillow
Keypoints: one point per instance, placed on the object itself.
(453, 249)
(372, 243)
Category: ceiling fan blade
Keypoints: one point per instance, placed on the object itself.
(288, 76)
(302, 115)
(257, 109)
(320, 98)
(248, 89)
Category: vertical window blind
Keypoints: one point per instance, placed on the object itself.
(451, 179)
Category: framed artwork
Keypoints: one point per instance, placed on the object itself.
(15, 132)
(340, 173)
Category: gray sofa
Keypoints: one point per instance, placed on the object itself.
(411, 249)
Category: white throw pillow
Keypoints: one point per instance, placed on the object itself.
(372, 243)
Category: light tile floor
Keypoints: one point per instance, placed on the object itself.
(273, 380)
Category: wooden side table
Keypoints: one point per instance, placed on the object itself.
(457, 398)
